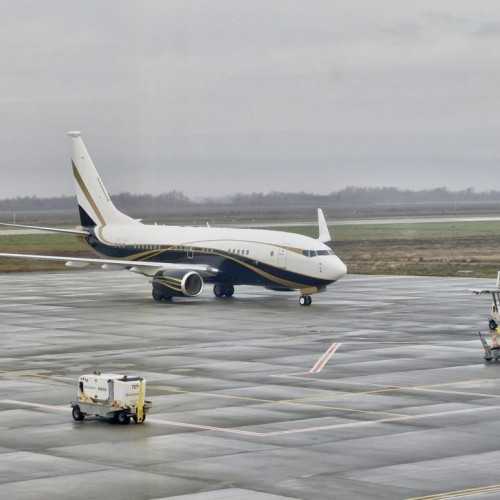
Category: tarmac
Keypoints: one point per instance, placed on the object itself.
(377, 390)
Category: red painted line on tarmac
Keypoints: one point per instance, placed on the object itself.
(324, 359)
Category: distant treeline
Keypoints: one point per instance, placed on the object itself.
(347, 196)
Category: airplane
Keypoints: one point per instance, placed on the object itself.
(180, 259)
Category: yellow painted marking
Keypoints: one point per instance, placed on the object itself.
(460, 493)
(290, 402)
(363, 423)
(389, 389)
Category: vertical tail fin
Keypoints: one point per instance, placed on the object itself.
(94, 203)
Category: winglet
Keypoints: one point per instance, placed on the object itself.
(324, 233)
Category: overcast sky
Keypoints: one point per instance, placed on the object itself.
(222, 96)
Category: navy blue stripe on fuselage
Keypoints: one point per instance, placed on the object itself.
(233, 269)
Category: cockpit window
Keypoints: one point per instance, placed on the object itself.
(314, 253)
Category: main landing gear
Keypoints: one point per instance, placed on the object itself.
(158, 296)
(305, 300)
(223, 291)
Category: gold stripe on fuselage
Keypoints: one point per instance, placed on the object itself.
(87, 195)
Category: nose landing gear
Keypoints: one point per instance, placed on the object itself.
(305, 300)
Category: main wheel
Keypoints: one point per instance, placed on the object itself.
(123, 418)
(219, 291)
(229, 292)
(78, 416)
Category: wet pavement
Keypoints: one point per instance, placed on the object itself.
(377, 390)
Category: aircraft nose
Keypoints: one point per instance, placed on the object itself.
(336, 269)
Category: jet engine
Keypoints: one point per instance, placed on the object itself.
(176, 283)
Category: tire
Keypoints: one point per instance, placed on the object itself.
(218, 291)
(123, 418)
(305, 300)
(157, 295)
(492, 324)
(78, 416)
(143, 419)
(229, 292)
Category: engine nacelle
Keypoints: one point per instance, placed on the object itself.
(177, 283)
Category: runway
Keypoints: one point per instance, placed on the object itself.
(377, 390)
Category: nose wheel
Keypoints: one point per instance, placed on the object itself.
(305, 300)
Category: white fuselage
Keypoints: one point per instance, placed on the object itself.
(285, 251)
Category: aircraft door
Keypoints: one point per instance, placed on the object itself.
(282, 255)
(190, 252)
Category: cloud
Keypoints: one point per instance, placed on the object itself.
(221, 89)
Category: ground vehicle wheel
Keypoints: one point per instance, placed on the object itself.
(123, 418)
(143, 419)
(492, 324)
(157, 295)
(78, 416)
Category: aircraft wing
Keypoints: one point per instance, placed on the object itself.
(140, 267)
(51, 229)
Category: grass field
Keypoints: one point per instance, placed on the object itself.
(433, 249)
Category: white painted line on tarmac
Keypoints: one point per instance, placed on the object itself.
(380, 421)
(229, 430)
(35, 405)
(206, 427)
(324, 359)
